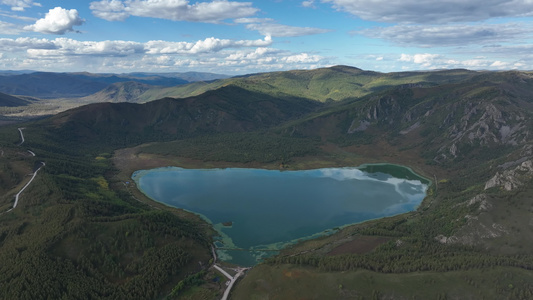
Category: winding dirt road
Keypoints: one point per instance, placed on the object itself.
(27, 184)
(31, 179)
(21, 135)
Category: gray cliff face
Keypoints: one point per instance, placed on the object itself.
(455, 121)
(479, 226)
(482, 201)
(483, 124)
(491, 127)
(511, 179)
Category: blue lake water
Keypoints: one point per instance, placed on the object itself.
(257, 212)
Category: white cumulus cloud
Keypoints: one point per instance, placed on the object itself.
(65, 46)
(258, 53)
(424, 59)
(432, 11)
(209, 55)
(437, 61)
(21, 44)
(202, 46)
(176, 10)
(57, 21)
(302, 58)
(271, 59)
(19, 5)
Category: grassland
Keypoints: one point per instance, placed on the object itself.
(292, 282)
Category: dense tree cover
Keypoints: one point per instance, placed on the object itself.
(75, 235)
(238, 147)
(192, 280)
(411, 256)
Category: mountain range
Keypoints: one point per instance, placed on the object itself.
(47, 85)
(469, 132)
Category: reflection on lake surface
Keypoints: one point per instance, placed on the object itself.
(257, 211)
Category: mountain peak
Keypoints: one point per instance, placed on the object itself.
(345, 68)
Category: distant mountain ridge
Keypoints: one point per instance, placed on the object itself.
(8, 100)
(335, 83)
(48, 85)
(325, 84)
(188, 76)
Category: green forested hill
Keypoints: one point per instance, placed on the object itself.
(229, 109)
(470, 132)
(78, 232)
(326, 84)
(336, 83)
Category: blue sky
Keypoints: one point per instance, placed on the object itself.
(239, 37)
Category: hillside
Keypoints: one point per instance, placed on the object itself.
(485, 110)
(188, 76)
(49, 85)
(467, 131)
(78, 232)
(149, 79)
(229, 109)
(326, 84)
(67, 90)
(8, 100)
(118, 92)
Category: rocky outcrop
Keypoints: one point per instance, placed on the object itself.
(483, 124)
(363, 125)
(479, 226)
(513, 178)
(411, 128)
(482, 200)
(474, 233)
(395, 110)
(384, 109)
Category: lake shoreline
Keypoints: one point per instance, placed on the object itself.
(281, 245)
